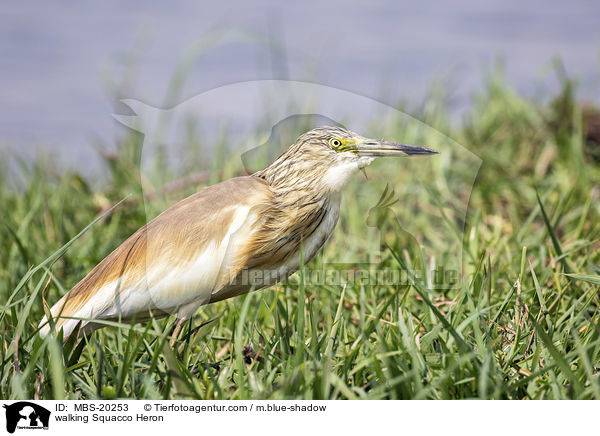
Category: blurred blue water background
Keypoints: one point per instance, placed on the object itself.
(63, 66)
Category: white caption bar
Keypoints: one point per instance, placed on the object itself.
(150, 417)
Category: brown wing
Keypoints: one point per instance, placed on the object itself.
(175, 246)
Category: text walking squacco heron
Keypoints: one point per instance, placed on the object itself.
(195, 252)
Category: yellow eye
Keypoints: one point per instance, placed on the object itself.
(335, 143)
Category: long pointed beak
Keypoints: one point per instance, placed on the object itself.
(375, 148)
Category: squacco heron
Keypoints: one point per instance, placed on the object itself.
(203, 249)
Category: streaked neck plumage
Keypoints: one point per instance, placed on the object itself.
(306, 198)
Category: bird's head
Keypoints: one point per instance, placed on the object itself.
(329, 156)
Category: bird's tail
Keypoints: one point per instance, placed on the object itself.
(70, 314)
(62, 316)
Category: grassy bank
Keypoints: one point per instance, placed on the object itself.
(523, 323)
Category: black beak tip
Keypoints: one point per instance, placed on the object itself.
(421, 151)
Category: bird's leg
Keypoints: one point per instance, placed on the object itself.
(180, 324)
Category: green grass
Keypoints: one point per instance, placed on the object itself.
(522, 324)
